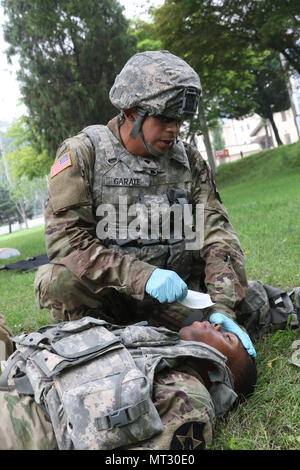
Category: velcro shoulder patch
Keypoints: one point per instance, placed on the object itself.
(67, 188)
(61, 164)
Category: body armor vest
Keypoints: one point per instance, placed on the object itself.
(122, 181)
(94, 380)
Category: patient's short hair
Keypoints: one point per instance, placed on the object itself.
(245, 375)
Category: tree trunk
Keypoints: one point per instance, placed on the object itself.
(274, 127)
(21, 209)
(290, 59)
(207, 143)
(269, 141)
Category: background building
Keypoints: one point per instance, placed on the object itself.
(252, 134)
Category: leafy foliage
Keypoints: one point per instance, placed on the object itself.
(23, 158)
(223, 60)
(69, 54)
(267, 95)
(8, 210)
(144, 35)
(228, 43)
(22, 192)
(262, 25)
(265, 24)
(218, 139)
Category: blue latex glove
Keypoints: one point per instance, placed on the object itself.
(166, 286)
(232, 327)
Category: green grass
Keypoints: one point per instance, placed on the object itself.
(265, 214)
(269, 420)
(17, 302)
(262, 196)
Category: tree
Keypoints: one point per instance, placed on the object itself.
(143, 34)
(225, 39)
(22, 192)
(265, 24)
(266, 96)
(270, 93)
(261, 24)
(222, 60)
(24, 159)
(21, 196)
(21, 199)
(8, 210)
(228, 42)
(69, 54)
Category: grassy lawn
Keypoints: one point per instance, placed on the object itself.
(262, 196)
(17, 302)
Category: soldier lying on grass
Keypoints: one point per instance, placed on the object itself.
(163, 391)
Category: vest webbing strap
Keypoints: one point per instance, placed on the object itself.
(4, 376)
(121, 417)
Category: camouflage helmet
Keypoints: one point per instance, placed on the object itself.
(158, 82)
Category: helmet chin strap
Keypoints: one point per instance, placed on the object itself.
(137, 126)
(148, 147)
(137, 130)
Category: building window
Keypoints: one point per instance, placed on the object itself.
(283, 115)
(287, 138)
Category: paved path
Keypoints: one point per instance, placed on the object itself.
(15, 227)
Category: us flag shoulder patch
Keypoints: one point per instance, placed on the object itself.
(61, 164)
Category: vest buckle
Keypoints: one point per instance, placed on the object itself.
(118, 418)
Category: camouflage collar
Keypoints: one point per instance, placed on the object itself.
(114, 126)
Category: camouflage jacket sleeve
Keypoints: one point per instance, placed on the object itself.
(225, 276)
(70, 228)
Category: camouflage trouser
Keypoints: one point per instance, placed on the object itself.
(182, 401)
(58, 290)
(23, 424)
(6, 345)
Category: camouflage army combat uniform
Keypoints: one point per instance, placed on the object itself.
(106, 278)
(182, 401)
(86, 276)
(180, 397)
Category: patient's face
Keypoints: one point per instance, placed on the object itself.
(212, 334)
